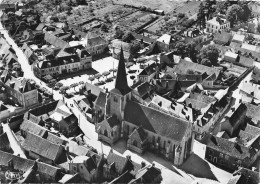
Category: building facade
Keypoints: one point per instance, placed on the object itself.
(217, 24)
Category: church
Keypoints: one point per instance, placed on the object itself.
(144, 128)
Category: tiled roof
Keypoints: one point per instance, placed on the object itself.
(144, 89)
(251, 89)
(95, 41)
(198, 105)
(47, 169)
(230, 148)
(148, 174)
(33, 128)
(150, 69)
(41, 146)
(119, 161)
(235, 114)
(19, 163)
(155, 121)
(144, 38)
(101, 99)
(77, 149)
(69, 120)
(4, 141)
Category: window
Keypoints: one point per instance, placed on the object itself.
(74, 168)
(221, 155)
(115, 99)
(226, 157)
(135, 143)
(239, 162)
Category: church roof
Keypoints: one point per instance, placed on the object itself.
(121, 85)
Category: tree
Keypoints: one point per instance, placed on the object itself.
(104, 27)
(192, 51)
(233, 13)
(74, 85)
(181, 49)
(106, 73)
(206, 62)
(128, 37)
(135, 47)
(246, 11)
(211, 53)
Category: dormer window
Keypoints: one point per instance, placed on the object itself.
(21, 89)
(12, 84)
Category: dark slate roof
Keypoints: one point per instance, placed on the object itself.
(95, 41)
(198, 105)
(101, 99)
(244, 176)
(126, 177)
(41, 146)
(121, 85)
(235, 115)
(4, 141)
(150, 69)
(47, 169)
(155, 121)
(113, 121)
(229, 148)
(33, 128)
(119, 161)
(18, 162)
(141, 133)
(69, 120)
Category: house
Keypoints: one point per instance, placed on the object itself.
(46, 173)
(250, 47)
(172, 137)
(244, 176)
(85, 166)
(246, 61)
(238, 38)
(69, 125)
(249, 92)
(55, 41)
(109, 130)
(166, 42)
(5, 144)
(256, 74)
(19, 90)
(148, 73)
(115, 165)
(28, 52)
(230, 57)
(42, 149)
(143, 93)
(63, 64)
(217, 24)
(234, 119)
(100, 106)
(117, 45)
(209, 81)
(229, 155)
(70, 178)
(95, 44)
(126, 177)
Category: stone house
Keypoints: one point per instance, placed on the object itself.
(166, 42)
(137, 140)
(96, 45)
(117, 45)
(85, 166)
(148, 73)
(109, 130)
(256, 75)
(217, 24)
(69, 125)
(19, 90)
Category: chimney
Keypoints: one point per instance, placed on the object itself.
(128, 157)
(29, 113)
(167, 84)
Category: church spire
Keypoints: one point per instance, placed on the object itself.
(121, 79)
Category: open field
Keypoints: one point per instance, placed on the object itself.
(166, 5)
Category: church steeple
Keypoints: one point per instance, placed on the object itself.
(121, 79)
